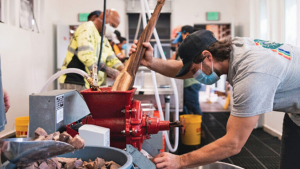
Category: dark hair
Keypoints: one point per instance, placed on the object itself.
(118, 34)
(97, 13)
(220, 51)
(122, 39)
(187, 28)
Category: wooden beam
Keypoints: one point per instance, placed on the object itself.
(126, 77)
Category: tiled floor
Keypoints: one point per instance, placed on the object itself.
(260, 151)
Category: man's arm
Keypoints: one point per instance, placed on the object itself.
(120, 68)
(114, 65)
(112, 60)
(165, 67)
(6, 100)
(238, 131)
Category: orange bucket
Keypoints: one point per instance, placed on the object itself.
(22, 126)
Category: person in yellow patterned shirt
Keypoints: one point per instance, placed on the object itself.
(84, 50)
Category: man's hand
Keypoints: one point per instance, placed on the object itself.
(167, 68)
(6, 100)
(113, 73)
(147, 59)
(167, 161)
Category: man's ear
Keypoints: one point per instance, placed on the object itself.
(207, 54)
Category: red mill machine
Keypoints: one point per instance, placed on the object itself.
(129, 127)
(123, 115)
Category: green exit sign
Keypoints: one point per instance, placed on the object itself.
(83, 17)
(213, 16)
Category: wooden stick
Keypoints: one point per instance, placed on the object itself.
(126, 77)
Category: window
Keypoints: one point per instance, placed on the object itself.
(291, 22)
(26, 16)
(264, 22)
(3, 11)
(162, 26)
(28, 10)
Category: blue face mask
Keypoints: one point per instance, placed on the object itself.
(124, 46)
(206, 79)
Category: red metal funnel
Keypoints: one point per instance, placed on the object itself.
(107, 104)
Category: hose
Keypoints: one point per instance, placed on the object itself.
(155, 84)
(62, 72)
(102, 34)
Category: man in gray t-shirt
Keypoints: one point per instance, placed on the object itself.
(264, 77)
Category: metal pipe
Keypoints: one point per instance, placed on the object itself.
(173, 84)
(138, 27)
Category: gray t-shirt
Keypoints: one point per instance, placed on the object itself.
(265, 77)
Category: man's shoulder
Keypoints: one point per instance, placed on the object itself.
(246, 50)
(87, 26)
(242, 40)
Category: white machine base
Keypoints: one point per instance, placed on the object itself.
(95, 135)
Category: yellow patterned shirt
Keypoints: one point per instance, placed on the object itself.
(83, 51)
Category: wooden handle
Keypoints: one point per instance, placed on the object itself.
(126, 77)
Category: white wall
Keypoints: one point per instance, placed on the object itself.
(190, 12)
(242, 18)
(237, 11)
(273, 121)
(68, 10)
(27, 60)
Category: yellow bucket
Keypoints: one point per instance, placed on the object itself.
(192, 133)
(21, 126)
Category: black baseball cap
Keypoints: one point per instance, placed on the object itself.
(187, 28)
(193, 46)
